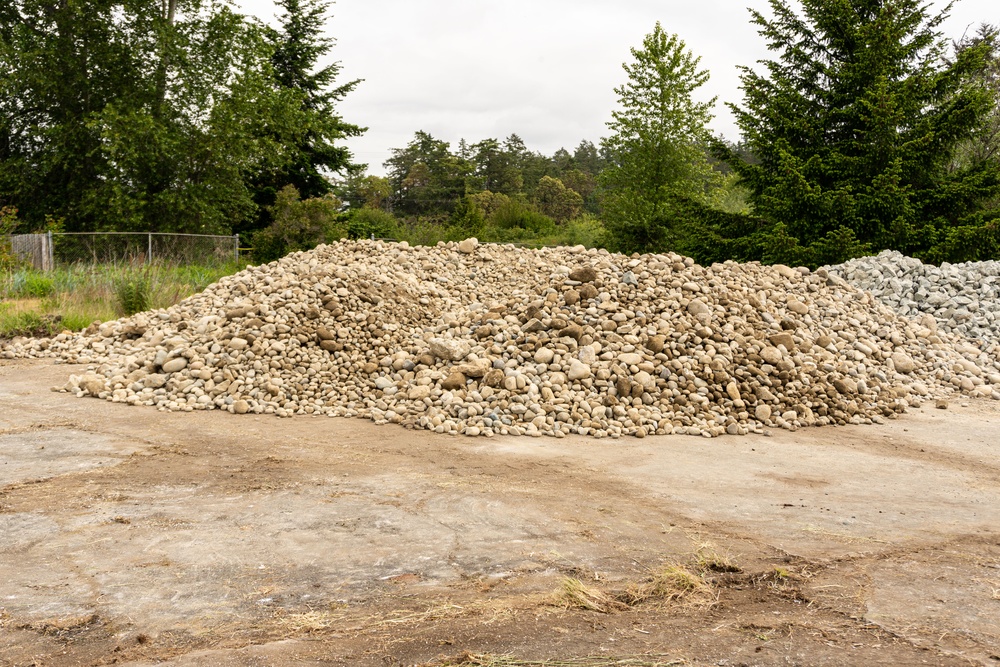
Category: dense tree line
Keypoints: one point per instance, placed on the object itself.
(163, 115)
(867, 130)
(428, 177)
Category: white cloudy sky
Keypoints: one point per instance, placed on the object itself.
(544, 69)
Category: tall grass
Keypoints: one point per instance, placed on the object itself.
(72, 297)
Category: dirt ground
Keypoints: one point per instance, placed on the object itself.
(137, 537)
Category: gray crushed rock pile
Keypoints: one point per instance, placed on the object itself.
(961, 298)
(490, 339)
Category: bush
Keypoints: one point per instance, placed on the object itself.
(585, 230)
(468, 217)
(132, 293)
(132, 290)
(365, 223)
(512, 215)
(425, 231)
(30, 285)
(298, 225)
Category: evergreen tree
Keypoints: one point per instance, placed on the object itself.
(587, 158)
(656, 150)
(984, 144)
(497, 165)
(426, 177)
(854, 127)
(313, 132)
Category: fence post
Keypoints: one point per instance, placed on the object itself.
(51, 255)
(236, 247)
(149, 248)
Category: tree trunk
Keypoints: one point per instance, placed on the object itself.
(169, 8)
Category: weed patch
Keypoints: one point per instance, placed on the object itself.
(490, 660)
(574, 593)
(671, 583)
(72, 297)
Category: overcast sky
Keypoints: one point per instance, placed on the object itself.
(543, 69)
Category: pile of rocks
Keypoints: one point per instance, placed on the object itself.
(962, 298)
(489, 339)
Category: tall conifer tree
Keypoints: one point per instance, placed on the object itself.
(313, 138)
(854, 127)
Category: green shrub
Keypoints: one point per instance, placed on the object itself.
(364, 223)
(30, 285)
(467, 217)
(298, 225)
(132, 292)
(424, 231)
(585, 230)
(513, 215)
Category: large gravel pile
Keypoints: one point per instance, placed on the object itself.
(962, 298)
(494, 339)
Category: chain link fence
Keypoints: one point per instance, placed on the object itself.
(45, 252)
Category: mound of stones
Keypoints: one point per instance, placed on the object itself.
(962, 298)
(490, 339)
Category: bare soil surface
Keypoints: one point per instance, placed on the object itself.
(137, 537)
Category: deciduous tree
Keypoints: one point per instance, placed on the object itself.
(557, 201)
(656, 148)
(137, 114)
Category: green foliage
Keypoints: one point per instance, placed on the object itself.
(584, 184)
(74, 322)
(716, 236)
(20, 322)
(468, 217)
(361, 191)
(489, 202)
(424, 231)
(586, 230)
(655, 148)
(524, 227)
(310, 130)
(28, 284)
(427, 179)
(983, 146)
(855, 129)
(8, 225)
(9, 222)
(149, 115)
(297, 225)
(974, 242)
(370, 222)
(496, 166)
(513, 220)
(81, 294)
(132, 292)
(731, 196)
(426, 176)
(555, 200)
